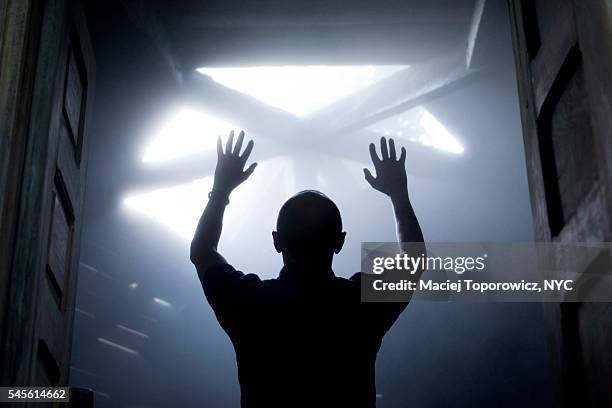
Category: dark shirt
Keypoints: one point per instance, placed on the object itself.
(302, 339)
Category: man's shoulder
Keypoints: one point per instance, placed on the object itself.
(356, 278)
(224, 274)
(350, 283)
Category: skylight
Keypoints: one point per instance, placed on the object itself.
(188, 132)
(177, 207)
(300, 90)
(296, 89)
(419, 126)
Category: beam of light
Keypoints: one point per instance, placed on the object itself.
(162, 302)
(354, 171)
(85, 313)
(437, 136)
(88, 267)
(132, 331)
(177, 207)
(180, 207)
(96, 271)
(118, 346)
(419, 126)
(300, 90)
(188, 132)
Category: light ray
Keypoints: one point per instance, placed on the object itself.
(419, 126)
(188, 132)
(300, 90)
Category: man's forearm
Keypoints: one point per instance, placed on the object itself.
(229, 174)
(409, 232)
(209, 228)
(408, 228)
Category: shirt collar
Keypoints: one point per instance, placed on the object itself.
(297, 272)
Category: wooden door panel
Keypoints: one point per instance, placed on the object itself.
(563, 51)
(48, 371)
(554, 43)
(559, 137)
(61, 238)
(74, 96)
(52, 63)
(566, 139)
(57, 287)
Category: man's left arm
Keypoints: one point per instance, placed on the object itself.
(229, 174)
(391, 180)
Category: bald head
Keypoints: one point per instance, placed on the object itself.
(309, 224)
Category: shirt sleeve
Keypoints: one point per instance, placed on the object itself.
(377, 316)
(230, 293)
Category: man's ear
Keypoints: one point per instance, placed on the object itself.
(277, 241)
(340, 243)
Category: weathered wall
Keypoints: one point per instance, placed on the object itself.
(564, 59)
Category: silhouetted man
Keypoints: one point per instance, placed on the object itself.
(303, 339)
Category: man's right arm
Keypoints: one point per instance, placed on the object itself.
(229, 174)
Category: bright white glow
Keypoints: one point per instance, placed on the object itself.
(177, 207)
(300, 89)
(188, 132)
(180, 207)
(419, 126)
(437, 136)
(296, 89)
(133, 285)
(162, 302)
